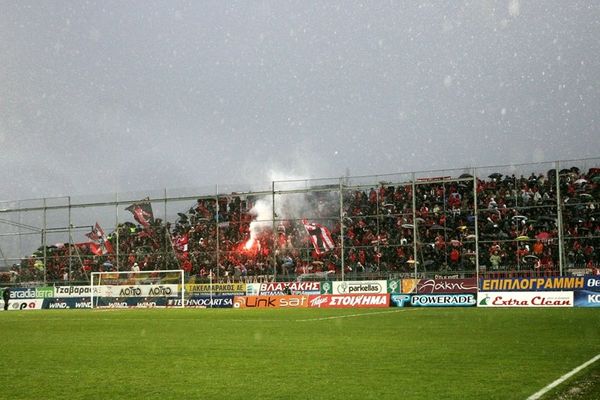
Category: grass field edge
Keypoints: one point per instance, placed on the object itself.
(540, 394)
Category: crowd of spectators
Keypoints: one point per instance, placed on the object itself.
(517, 229)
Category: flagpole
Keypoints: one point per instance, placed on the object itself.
(168, 234)
(78, 255)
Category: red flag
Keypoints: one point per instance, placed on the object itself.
(96, 233)
(142, 212)
(100, 244)
(96, 248)
(319, 236)
(181, 243)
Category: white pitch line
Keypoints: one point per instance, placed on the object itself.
(563, 378)
(348, 316)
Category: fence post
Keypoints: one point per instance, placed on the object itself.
(274, 234)
(217, 230)
(44, 242)
(118, 234)
(476, 215)
(342, 227)
(561, 250)
(70, 236)
(414, 215)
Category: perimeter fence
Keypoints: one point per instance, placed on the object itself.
(516, 220)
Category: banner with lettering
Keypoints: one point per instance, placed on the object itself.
(533, 284)
(525, 299)
(275, 301)
(350, 301)
(434, 300)
(203, 301)
(216, 288)
(587, 298)
(282, 288)
(354, 287)
(429, 286)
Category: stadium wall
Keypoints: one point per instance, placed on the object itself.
(548, 292)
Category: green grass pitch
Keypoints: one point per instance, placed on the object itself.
(412, 353)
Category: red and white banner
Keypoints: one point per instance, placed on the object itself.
(319, 236)
(525, 299)
(99, 244)
(349, 301)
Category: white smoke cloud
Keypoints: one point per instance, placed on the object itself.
(289, 206)
(263, 214)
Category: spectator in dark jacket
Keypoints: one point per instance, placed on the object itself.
(6, 297)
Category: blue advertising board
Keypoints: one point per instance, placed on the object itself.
(592, 282)
(552, 283)
(433, 300)
(130, 302)
(67, 302)
(587, 298)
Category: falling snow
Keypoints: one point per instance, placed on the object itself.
(162, 95)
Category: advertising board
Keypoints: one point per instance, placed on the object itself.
(216, 288)
(525, 299)
(394, 286)
(534, 284)
(290, 301)
(592, 282)
(587, 298)
(67, 302)
(120, 291)
(24, 304)
(131, 302)
(31, 293)
(75, 291)
(429, 286)
(280, 288)
(203, 301)
(354, 287)
(409, 285)
(434, 300)
(349, 301)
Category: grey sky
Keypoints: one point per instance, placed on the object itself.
(105, 96)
